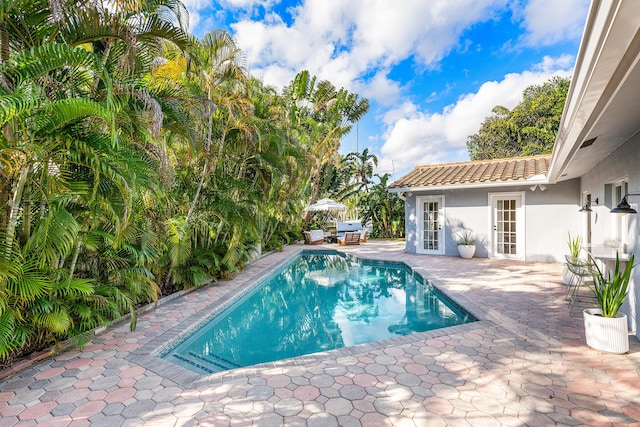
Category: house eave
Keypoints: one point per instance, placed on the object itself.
(602, 99)
(469, 185)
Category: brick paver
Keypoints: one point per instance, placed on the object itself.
(523, 363)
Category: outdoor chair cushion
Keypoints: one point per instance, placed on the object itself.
(349, 238)
(313, 237)
(316, 234)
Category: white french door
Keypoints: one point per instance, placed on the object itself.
(507, 224)
(430, 235)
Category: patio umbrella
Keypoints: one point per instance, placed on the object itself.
(326, 205)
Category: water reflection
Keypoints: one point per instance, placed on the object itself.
(319, 302)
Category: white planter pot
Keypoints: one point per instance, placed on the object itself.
(604, 333)
(466, 251)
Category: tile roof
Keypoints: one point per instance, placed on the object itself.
(475, 172)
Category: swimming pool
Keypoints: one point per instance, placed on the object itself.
(320, 301)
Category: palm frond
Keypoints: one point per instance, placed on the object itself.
(15, 105)
(65, 111)
(54, 237)
(73, 286)
(9, 340)
(179, 239)
(56, 320)
(155, 27)
(28, 65)
(27, 285)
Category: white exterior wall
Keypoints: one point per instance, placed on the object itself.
(621, 165)
(549, 215)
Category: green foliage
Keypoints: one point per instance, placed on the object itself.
(465, 238)
(529, 129)
(352, 182)
(610, 289)
(138, 160)
(575, 246)
(383, 209)
(321, 116)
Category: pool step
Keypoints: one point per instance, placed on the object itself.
(222, 363)
(208, 364)
(194, 364)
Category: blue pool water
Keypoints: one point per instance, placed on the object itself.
(316, 303)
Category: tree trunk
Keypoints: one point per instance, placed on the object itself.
(197, 195)
(105, 57)
(14, 209)
(4, 51)
(315, 190)
(26, 222)
(205, 169)
(74, 260)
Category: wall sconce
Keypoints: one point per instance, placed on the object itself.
(587, 206)
(623, 207)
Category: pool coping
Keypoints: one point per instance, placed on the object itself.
(148, 355)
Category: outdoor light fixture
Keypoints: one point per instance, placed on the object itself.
(623, 207)
(587, 206)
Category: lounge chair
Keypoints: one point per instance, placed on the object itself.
(313, 237)
(349, 238)
(363, 236)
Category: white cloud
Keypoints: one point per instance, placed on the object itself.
(407, 109)
(384, 90)
(247, 4)
(194, 6)
(551, 21)
(418, 138)
(358, 43)
(342, 41)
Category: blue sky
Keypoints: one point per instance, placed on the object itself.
(432, 69)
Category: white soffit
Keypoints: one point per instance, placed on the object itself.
(603, 100)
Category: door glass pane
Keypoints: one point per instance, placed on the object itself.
(430, 226)
(506, 227)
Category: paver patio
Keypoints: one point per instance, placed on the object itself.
(523, 363)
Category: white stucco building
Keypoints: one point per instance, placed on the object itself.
(523, 208)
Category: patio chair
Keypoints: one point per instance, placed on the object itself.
(581, 269)
(363, 236)
(349, 238)
(313, 237)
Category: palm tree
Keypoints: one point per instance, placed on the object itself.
(362, 165)
(219, 69)
(107, 114)
(74, 146)
(215, 76)
(322, 116)
(384, 209)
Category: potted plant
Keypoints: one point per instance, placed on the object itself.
(466, 244)
(575, 246)
(605, 328)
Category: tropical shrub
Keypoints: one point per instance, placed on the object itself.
(136, 160)
(610, 289)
